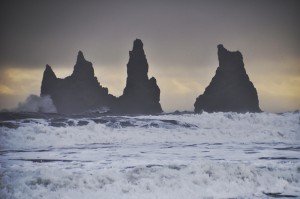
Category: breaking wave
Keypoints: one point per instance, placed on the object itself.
(208, 155)
(34, 103)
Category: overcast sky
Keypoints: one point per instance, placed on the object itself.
(180, 41)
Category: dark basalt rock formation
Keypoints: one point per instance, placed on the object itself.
(77, 93)
(141, 94)
(230, 88)
(81, 91)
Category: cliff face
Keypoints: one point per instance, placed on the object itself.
(77, 93)
(230, 89)
(141, 94)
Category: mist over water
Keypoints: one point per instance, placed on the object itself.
(35, 103)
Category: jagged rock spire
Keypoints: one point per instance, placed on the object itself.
(137, 67)
(140, 95)
(77, 93)
(138, 45)
(83, 69)
(80, 57)
(49, 79)
(49, 72)
(81, 91)
(230, 88)
(228, 59)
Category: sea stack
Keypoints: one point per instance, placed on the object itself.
(230, 89)
(141, 94)
(77, 93)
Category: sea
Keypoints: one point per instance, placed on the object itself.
(166, 156)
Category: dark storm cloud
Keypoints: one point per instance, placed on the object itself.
(34, 33)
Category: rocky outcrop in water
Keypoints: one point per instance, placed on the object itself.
(78, 92)
(230, 89)
(141, 94)
(81, 91)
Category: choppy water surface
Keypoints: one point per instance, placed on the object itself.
(219, 155)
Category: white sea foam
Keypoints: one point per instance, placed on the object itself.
(34, 103)
(219, 155)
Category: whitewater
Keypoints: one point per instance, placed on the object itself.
(208, 155)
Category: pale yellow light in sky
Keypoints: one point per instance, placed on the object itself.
(4, 90)
(278, 87)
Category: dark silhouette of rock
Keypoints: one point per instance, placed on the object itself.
(230, 88)
(81, 91)
(141, 94)
(77, 93)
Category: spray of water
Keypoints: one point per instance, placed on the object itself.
(34, 103)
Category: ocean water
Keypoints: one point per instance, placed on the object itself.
(217, 155)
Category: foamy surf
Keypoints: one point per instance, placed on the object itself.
(219, 155)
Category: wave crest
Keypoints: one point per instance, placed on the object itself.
(34, 103)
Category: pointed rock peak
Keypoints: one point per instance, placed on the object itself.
(49, 72)
(220, 46)
(230, 89)
(83, 69)
(221, 49)
(48, 68)
(137, 44)
(80, 56)
(152, 79)
(229, 59)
